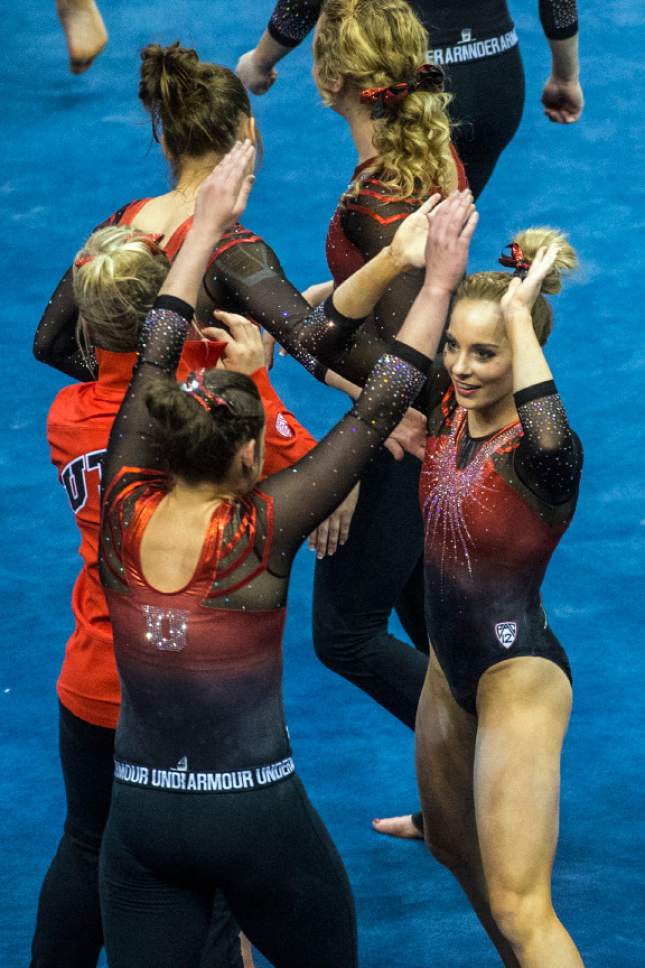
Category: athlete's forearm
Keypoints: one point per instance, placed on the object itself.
(565, 59)
(269, 51)
(337, 382)
(187, 271)
(529, 362)
(426, 319)
(359, 294)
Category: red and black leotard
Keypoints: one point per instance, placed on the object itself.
(494, 510)
(204, 656)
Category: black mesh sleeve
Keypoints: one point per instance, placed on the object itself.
(292, 20)
(308, 492)
(559, 18)
(549, 457)
(255, 285)
(132, 443)
(55, 339)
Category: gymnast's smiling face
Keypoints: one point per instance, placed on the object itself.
(477, 354)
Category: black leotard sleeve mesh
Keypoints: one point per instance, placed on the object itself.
(559, 18)
(310, 490)
(132, 442)
(292, 20)
(249, 279)
(55, 339)
(548, 459)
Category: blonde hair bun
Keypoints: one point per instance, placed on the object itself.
(566, 261)
(116, 277)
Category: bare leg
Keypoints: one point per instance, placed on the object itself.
(523, 708)
(445, 752)
(85, 32)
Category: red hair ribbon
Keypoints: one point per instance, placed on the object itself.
(82, 260)
(428, 77)
(197, 389)
(151, 239)
(516, 260)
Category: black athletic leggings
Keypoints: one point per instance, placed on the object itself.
(379, 568)
(69, 932)
(487, 110)
(165, 854)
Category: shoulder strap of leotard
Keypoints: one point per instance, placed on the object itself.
(126, 214)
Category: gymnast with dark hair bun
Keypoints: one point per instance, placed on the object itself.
(195, 561)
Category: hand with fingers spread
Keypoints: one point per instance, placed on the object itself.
(522, 293)
(244, 351)
(408, 246)
(452, 224)
(334, 531)
(222, 196)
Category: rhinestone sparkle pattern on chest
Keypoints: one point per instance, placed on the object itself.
(447, 491)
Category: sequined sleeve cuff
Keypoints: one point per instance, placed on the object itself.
(419, 360)
(559, 18)
(545, 389)
(175, 305)
(292, 20)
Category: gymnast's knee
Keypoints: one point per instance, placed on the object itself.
(519, 915)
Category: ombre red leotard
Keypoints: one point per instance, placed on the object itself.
(201, 719)
(494, 510)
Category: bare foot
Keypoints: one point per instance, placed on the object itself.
(84, 30)
(247, 951)
(402, 827)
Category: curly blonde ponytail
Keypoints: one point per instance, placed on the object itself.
(492, 285)
(371, 44)
(116, 277)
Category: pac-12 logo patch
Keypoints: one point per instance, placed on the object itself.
(506, 633)
(282, 426)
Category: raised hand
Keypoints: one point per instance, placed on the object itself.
(452, 224)
(408, 246)
(222, 196)
(563, 100)
(522, 293)
(244, 351)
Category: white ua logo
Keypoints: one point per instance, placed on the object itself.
(182, 764)
(166, 628)
(466, 35)
(506, 633)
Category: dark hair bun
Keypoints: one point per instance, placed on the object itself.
(199, 445)
(198, 106)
